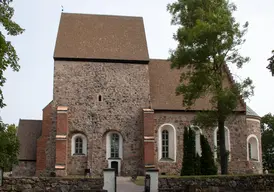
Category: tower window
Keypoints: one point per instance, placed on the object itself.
(100, 98)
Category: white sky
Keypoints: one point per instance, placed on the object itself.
(28, 91)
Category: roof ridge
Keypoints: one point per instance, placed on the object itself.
(153, 59)
(30, 119)
(107, 15)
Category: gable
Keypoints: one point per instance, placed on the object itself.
(163, 83)
(101, 37)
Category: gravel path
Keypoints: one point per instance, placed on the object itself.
(124, 184)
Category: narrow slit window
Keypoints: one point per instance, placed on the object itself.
(100, 97)
(165, 144)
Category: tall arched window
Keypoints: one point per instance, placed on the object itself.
(197, 132)
(252, 148)
(167, 143)
(114, 152)
(114, 145)
(217, 141)
(78, 144)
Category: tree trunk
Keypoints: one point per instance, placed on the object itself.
(223, 152)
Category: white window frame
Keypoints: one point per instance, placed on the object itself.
(172, 142)
(73, 140)
(198, 133)
(253, 145)
(227, 142)
(108, 150)
(108, 145)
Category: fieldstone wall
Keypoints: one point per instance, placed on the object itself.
(77, 165)
(238, 142)
(36, 184)
(218, 183)
(124, 91)
(24, 168)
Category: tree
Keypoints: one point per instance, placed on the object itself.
(8, 56)
(267, 122)
(271, 63)
(208, 166)
(188, 166)
(267, 128)
(9, 146)
(209, 39)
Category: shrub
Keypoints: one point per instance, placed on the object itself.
(208, 166)
(188, 166)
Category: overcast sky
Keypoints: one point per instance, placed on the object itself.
(27, 92)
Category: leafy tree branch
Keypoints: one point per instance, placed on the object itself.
(209, 38)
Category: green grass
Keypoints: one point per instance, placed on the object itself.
(140, 180)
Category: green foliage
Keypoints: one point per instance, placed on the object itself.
(193, 164)
(271, 63)
(189, 153)
(208, 166)
(9, 146)
(267, 122)
(197, 164)
(8, 56)
(208, 39)
(267, 128)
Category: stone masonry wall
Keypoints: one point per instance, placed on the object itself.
(24, 168)
(52, 184)
(124, 90)
(249, 183)
(254, 127)
(76, 164)
(238, 145)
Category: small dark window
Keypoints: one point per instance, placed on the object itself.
(250, 151)
(100, 98)
(78, 145)
(165, 143)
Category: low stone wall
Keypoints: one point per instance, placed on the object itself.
(37, 184)
(24, 168)
(250, 183)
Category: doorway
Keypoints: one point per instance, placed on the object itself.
(114, 165)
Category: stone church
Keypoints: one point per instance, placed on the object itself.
(115, 107)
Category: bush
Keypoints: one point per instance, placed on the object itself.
(197, 164)
(208, 166)
(191, 163)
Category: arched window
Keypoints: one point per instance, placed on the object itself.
(217, 141)
(167, 143)
(114, 145)
(78, 144)
(114, 150)
(252, 148)
(198, 132)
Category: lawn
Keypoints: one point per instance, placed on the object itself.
(140, 180)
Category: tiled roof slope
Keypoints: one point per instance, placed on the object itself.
(28, 132)
(250, 112)
(163, 83)
(87, 36)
